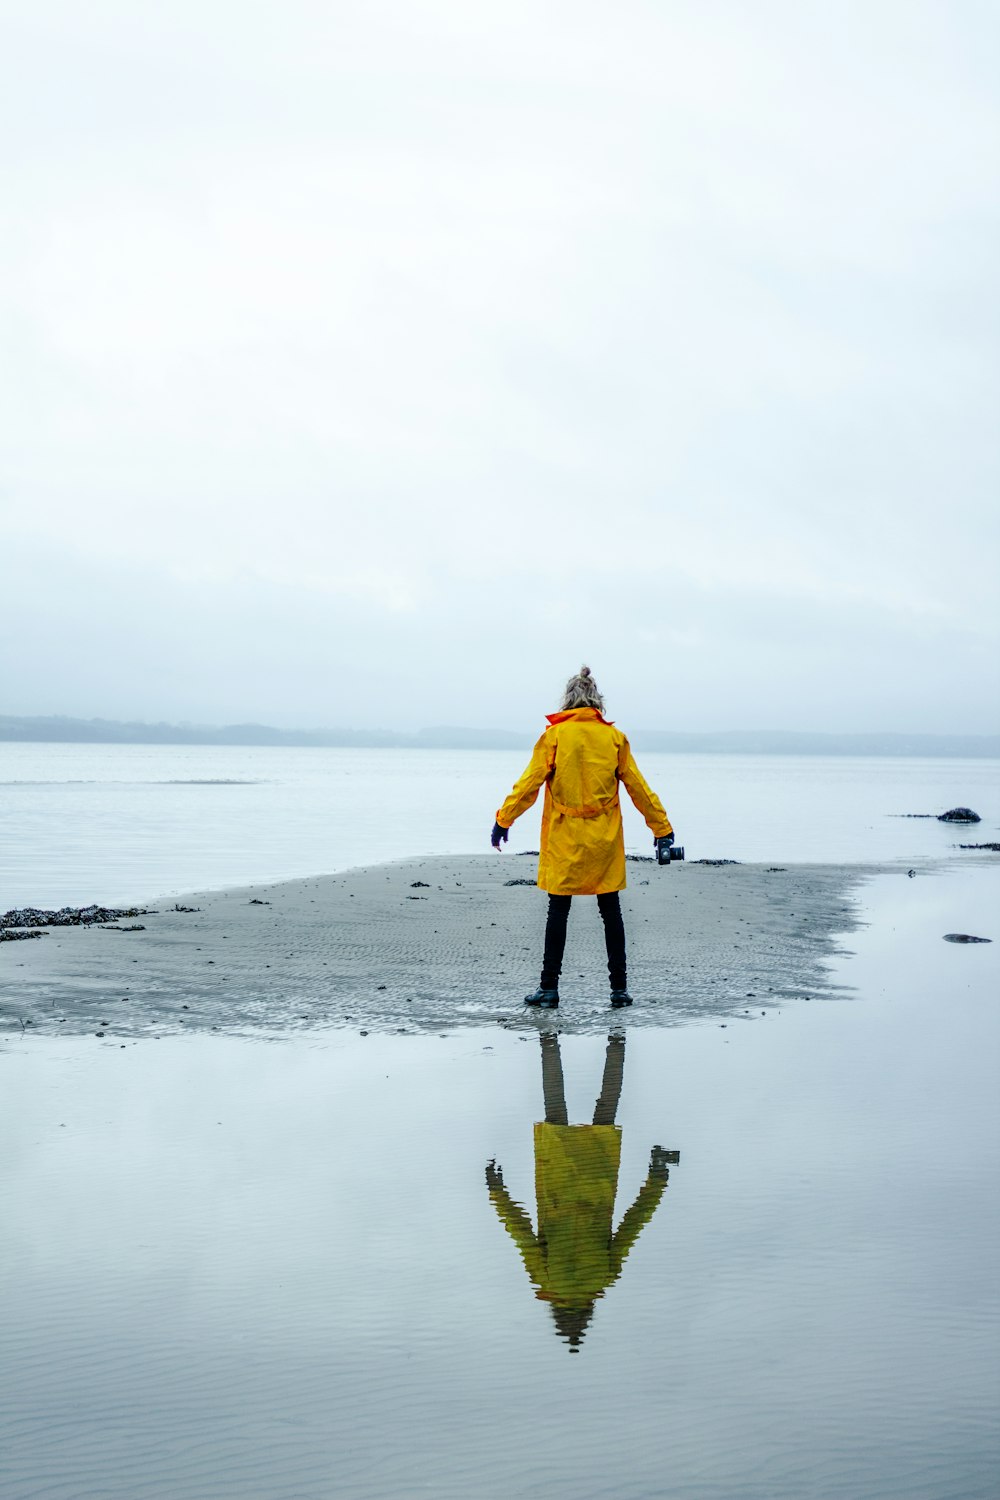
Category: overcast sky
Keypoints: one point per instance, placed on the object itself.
(378, 363)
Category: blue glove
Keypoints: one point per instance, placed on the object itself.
(499, 835)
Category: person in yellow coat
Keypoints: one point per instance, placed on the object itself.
(581, 759)
(577, 1254)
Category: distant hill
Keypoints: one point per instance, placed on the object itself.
(58, 729)
(794, 742)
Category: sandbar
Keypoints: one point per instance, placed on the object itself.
(433, 944)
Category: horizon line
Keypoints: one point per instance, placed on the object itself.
(42, 729)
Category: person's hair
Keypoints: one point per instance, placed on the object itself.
(582, 692)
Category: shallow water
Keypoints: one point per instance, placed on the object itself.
(125, 823)
(275, 1270)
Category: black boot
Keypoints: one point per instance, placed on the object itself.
(620, 997)
(547, 998)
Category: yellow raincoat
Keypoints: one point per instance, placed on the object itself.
(581, 758)
(576, 1254)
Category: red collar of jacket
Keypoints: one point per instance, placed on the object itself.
(579, 713)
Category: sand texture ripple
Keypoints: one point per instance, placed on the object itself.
(427, 945)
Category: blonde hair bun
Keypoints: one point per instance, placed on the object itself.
(582, 692)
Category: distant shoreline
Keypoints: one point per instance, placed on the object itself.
(57, 729)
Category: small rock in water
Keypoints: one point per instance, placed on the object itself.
(964, 937)
(959, 815)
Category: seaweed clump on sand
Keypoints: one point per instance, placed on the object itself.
(67, 916)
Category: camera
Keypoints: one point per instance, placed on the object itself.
(666, 852)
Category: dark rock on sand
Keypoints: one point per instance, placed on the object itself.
(995, 847)
(520, 882)
(959, 815)
(964, 937)
(8, 935)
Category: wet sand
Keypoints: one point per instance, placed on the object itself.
(432, 944)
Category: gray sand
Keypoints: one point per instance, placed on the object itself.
(371, 949)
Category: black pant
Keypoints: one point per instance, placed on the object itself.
(554, 1091)
(555, 939)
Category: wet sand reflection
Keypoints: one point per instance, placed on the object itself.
(576, 1253)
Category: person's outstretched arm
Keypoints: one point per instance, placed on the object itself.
(528, 785)
(517, 1224)
(642, 1210)
(642, 795)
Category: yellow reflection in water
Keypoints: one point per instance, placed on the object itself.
(576, 1253)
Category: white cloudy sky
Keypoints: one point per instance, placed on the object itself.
(378, 362)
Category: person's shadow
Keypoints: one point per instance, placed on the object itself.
(576, 1253)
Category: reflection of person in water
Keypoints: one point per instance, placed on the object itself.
(576, 1254)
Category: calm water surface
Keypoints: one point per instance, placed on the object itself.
(128, 822)
(311, 1269)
